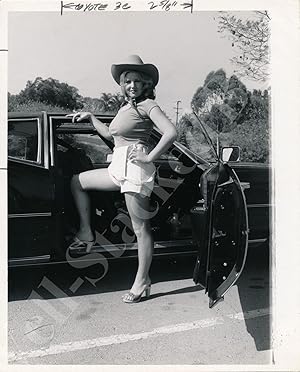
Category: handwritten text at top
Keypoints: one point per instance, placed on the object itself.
(164, 5)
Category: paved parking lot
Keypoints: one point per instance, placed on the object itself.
(54, 318)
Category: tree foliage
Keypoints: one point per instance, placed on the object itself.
(253, 138)
(250, 40)
(19, 105)
(51, 92)
(107, 103)
(231, 115)
(211, 93)
(220, 101)
(52, 95)
(184, 124)
(252, 133)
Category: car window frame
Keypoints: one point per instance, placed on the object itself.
(79, 128)
(39, 162)
(83, 139)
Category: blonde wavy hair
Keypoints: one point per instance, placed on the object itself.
(148, 88)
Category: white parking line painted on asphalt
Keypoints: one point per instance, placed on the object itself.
(122, 338)
(250, 314)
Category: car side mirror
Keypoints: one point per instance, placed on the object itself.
(231, 153)
(108, 158)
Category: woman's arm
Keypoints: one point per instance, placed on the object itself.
(169, 135)
(168, 131)
(100, 127)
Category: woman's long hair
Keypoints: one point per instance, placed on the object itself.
(148, 89)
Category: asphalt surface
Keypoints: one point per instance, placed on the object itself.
(57, 316)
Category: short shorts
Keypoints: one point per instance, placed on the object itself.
(131, 177)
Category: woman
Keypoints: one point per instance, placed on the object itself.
(131, 170)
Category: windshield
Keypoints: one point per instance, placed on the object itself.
(199, 138)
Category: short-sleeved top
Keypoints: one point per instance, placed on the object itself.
(128, 127)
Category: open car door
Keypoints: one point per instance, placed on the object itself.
(221, 260)
(224, 232)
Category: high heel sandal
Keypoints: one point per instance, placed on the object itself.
(78, 243)
(131, 298)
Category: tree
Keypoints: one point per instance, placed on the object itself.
(232, 115)
(253, 138)
(114, 101)
(212, 92)
(51, 92)
(52, 95)
(250, 39)
(93, 105)
(107, 103)
(111, 102)
(19, 105)
(183, 126)
(220, 101)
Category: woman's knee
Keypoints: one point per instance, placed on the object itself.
(75, 183)
(141, 228)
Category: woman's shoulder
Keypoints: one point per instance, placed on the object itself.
(148, 101)
(147, 105)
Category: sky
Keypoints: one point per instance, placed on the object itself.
(80, 48)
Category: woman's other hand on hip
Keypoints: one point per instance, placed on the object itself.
(137, 154)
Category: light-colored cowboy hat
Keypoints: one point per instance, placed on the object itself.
(135, 63)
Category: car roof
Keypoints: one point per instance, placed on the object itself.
(12, 114)
(109, 117)
(16, 114)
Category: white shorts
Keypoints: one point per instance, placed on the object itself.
(131, 177)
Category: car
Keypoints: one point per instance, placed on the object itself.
(211, 207)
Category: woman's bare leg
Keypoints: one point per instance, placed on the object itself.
(96, 179)
(138, 207)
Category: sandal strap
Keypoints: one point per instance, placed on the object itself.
(77, 243)
(131, 297)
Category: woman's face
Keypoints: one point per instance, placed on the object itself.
(133, 85)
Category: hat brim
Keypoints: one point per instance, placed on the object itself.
(147, 68)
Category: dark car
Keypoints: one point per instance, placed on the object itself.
(209, 207)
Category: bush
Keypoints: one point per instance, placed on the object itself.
(33, 106)
(253, 138)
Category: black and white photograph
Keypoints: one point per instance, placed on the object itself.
(141, 185)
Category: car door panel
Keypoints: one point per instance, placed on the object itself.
(257, 197)
(30, 190)
(224, 243)
(228, 235)
(200, 224)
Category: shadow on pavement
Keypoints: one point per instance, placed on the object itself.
(194, 288)
(65, 281)
(254, 291)
(61, 281)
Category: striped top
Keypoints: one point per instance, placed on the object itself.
(128, 127)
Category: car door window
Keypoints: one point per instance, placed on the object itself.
(91, 145)
(24, 140)
(169, 156)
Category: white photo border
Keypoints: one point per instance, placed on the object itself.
(285, 93)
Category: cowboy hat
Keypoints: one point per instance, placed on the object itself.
(135, 63)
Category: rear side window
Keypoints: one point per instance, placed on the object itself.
(23, 140)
